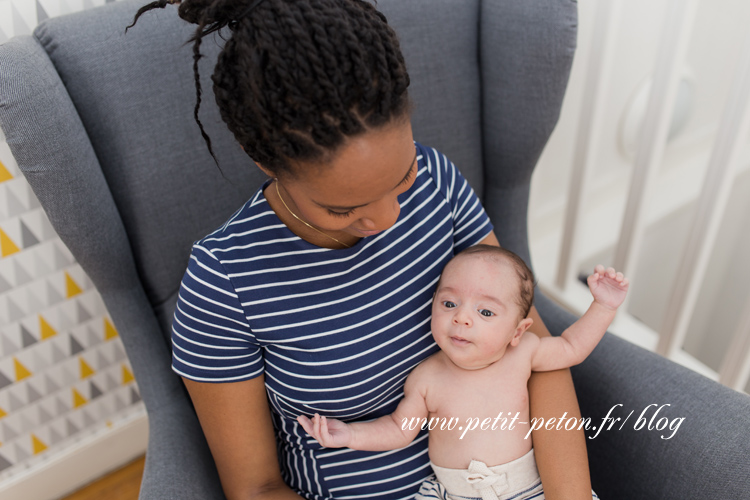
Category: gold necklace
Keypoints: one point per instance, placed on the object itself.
(276, 181)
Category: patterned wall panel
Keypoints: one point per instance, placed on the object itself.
(64, 375)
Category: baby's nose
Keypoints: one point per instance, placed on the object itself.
(461, 318)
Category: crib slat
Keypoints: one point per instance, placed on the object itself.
(653, 135)
(730, 139)
(590, 126)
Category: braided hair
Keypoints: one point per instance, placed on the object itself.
(295, 78)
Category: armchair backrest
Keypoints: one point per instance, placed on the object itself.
(101, 124)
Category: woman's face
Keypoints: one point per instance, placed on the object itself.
(355, 194)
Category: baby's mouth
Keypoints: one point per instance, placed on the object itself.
(459, 340)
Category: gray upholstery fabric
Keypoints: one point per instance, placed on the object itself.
(101, 124)
(707, 457)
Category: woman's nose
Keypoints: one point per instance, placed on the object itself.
(381, 216)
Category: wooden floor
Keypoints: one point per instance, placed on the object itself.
(122, 484)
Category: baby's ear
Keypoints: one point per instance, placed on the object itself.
(523, 325)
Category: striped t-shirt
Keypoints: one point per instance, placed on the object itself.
(334, 331)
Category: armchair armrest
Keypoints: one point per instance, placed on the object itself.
(179, 465)
(697, 447)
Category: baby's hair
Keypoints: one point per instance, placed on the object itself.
(297, 77)
(526, 280)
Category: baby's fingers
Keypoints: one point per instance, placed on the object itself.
(306, 424)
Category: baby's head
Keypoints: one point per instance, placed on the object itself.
(481, 304)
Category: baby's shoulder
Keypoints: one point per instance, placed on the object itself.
(528, 345)
(425, 371)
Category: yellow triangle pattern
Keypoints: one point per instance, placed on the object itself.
(127, 375)
(21, 371)
(86, 370)
(38, 445)
(46, 328)
(7, 247)
(5, 175)
(110, 331)
(3, 413)
(78, 399)
(71, 287)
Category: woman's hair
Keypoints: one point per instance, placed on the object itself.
(295, 78)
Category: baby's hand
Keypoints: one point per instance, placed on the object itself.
(331, 433)
(608, 287)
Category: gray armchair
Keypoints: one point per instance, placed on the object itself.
(101, 125)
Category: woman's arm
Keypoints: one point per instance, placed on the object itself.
(560, 455)
(237, 424)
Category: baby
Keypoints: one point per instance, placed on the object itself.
(480, 374)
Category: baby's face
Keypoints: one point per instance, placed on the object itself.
(475, 315)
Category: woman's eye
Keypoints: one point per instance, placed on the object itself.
(486, 313)
(341, 214)
(448, 304)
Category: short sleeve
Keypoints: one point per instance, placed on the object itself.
(211, 338)
(470, 222)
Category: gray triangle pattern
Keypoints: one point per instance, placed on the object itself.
(19, 25)
(15, 207)
(21, 454)
(27, 237)
(101, 362)
(33, 200)
(14, 402)
(51, 385)
(95, 391)
(83, 313)
(4, 463)
(89, 421)
(119, 404)
(44, 416)
(42, 268)
(4, 381)
(92, 338)
(35, 300)
(57, 354)
(75, 346)
(71, 427)
(134, 396)
(60, 406)
(8, 431)
(22, 277)
(41, 14)
(119, 353)
(15, 313)
(54, 437)
(110, 383)
(33, 394)
(4, 285)
(53, 295)
(27, 338)
(8, 347)
(60, 259)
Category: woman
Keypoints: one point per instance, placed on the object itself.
(315, 295)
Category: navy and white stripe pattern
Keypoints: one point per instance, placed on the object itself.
(333, 331)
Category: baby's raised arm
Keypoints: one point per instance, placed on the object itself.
(576, 343)
(382, 434)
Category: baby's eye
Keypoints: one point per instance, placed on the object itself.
(486, 313)
(449, 304)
